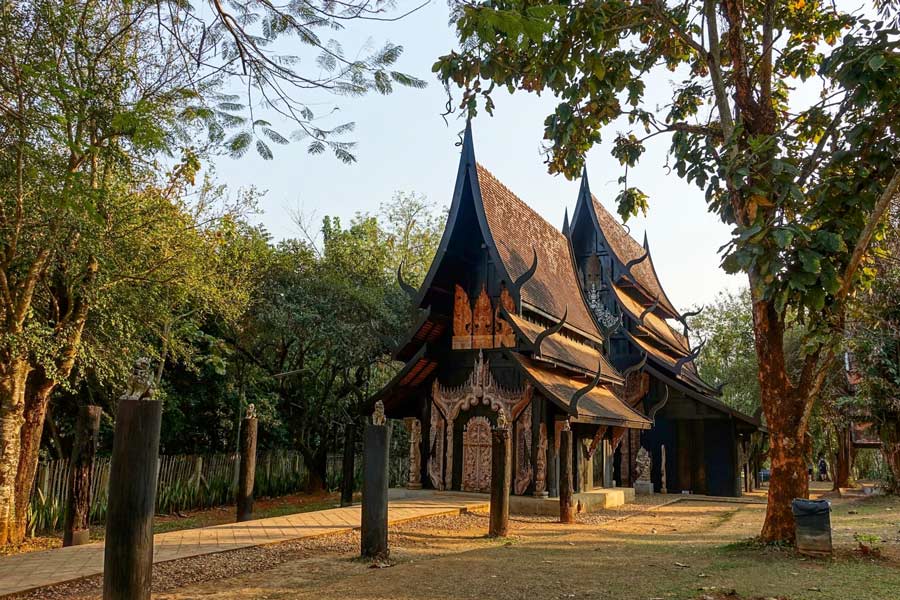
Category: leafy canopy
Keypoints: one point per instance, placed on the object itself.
(797, 179)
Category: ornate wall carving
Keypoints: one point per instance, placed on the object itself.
(476, 475)
(503, 333)
(436, 449)
(540, 471)
(415, 455)
(462, 319)
(482, 327)
(524, 470)
(479, 388)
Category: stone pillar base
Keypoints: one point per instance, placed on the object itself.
(543, 494)
(644, 488)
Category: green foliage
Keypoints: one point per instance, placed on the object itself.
(797, 182)
(729, 356)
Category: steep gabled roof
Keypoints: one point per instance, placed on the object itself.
(626, 249)
(516, 230)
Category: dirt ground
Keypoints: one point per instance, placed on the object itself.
(691, 550)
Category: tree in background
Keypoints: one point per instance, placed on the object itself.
(108, 110)
(318, 334)
(875, 346)
(728, 357)
(804, 184)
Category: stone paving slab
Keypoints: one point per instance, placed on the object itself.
(23, 572)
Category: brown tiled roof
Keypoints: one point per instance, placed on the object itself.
(652, 323)
(558, 347)
(688, 374)
(516, 229)
(626, 248)
(600, 405)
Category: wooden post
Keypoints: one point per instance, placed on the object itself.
(373, 530)
(247, 475)
(566, 499)
(84, 448)
(128, 556)
(347, 466)
(501, 476)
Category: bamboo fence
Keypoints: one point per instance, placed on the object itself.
(188, 482)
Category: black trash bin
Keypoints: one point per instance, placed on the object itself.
(813, 521)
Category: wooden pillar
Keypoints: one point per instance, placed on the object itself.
(128, 555)
(247, 475)
(84, 448)
(348, 467)
(501, 476)
(566, 495)
(552, 459)
(373, 534)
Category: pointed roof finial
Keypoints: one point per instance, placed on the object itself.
(468, 148)
(646, 243)
(565, 228)
(585, 186)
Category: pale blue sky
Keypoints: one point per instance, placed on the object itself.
(404, 144)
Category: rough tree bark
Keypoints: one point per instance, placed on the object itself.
(890, 449)
(78, 504)
(843, 459)
(785, 407)
(13, 377)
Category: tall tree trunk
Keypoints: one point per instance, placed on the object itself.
(81, 466)
(13, 378)
(843, 458)
(318, 473)
(784, 407)
(37, 398)
(890, 449)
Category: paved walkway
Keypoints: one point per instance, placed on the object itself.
(32, 570)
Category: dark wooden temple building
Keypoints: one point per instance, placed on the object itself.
(518, 321)
(703, 437)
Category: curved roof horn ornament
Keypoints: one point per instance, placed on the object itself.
(410, 290)
(649, 309)
(524, 277)
(636, 366)
(689, 358)
(636, 261)
(586, 389)
(550, 331)
(658, 406)
(683, 318)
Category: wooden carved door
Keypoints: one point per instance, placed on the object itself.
(476, 475)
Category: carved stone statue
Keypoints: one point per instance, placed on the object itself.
(378, 417)
(140, 383)
(415, 454)
(643, 464)
(502, 421)
(251, 411)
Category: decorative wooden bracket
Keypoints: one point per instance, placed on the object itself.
(692, 356)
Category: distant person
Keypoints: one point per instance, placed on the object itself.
(823, 469)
